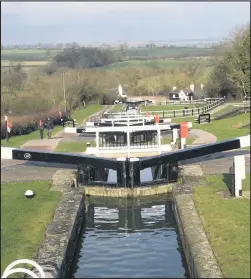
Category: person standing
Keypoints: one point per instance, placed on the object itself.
(49, 127)
(41, 128)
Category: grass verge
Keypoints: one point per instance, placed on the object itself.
(168, 139)
(117, 108)
(24, 222)
(74, 146)
(227, 128)
(170, 107)
(227, 224)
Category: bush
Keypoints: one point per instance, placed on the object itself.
(26, 124)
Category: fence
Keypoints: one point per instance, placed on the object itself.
(211, 104)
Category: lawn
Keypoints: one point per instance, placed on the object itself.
(170, 107)
(227, 224)
(117, 108)
(74, 146)
(168, 139)
(223, 110)
(227, 128)
(80, 115)
(24, 222)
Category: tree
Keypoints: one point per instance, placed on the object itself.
(153, 85)
(191, 69)
(232, 72)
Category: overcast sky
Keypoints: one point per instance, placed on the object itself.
(85, 22)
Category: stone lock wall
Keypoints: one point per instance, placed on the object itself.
(56, 253)
(199, 255)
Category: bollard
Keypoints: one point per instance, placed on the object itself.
(183, 134)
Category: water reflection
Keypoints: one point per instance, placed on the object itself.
(129, 238)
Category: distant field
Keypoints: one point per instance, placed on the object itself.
(169, 52)
(27, 54)
(7, 63)
(136, 57)
(170, 63)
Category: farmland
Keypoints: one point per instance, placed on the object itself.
(163, 57)
(29, 58)
(161, 63)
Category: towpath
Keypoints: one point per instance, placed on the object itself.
(18, 170)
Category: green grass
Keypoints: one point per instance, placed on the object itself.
(224, 110)
(227, 224)
(24, 222)
(74, 146)
(80, 115)
(227, 128)
(168, 139)
(170, 107)
(117, 108)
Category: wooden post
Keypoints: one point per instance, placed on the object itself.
(121, 172)
(134, 172)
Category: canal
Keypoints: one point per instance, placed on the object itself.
(129, 238)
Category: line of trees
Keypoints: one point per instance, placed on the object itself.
(231, 75)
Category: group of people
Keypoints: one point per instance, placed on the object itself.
(45, 124)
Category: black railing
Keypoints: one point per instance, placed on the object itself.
(211, 104)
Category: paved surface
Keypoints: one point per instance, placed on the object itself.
(202, 137)
(219, 163)
(45, 144)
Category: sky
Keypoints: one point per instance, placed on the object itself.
(87, 22)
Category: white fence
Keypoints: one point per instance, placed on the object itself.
(211, 104)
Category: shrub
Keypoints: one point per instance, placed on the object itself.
(26, 124)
